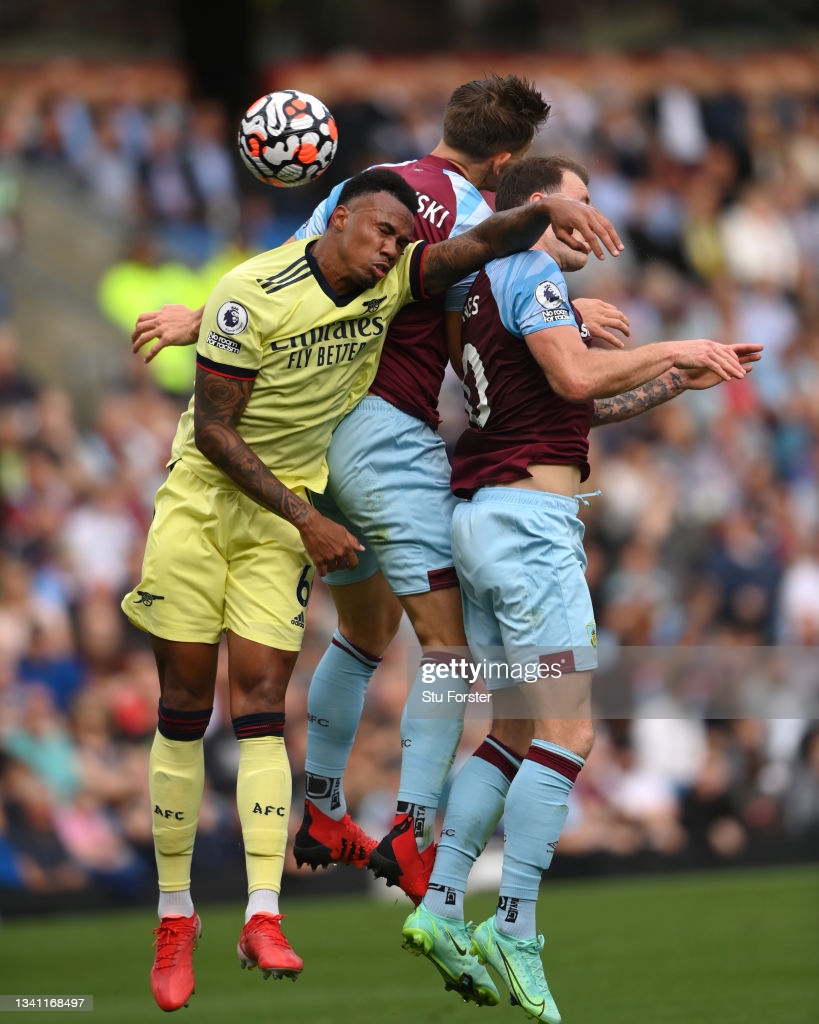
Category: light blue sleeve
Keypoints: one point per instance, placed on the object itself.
(317, 223)
(455, 296)
(470, 210)
(530, 292)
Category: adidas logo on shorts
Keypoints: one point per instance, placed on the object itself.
(298, 620)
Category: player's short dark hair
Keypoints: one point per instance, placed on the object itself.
(379, 179)
(535, 174)
(499, 114)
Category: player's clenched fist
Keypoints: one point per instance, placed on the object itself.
(328, 545)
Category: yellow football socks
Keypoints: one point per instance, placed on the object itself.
(177, 780)
(263, 793)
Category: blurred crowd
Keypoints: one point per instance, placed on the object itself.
(705, 537)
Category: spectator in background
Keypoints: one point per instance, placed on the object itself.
(679, 120)
(144, 280)
(744, 572)
(94, 841)
(802, 796)
(759, 245)
(10, 198)
(51, 659)
(799, 597)
(42, 859)
(18, 391)
(708, 812)
(212, 170)
(109, 174)
(38, 738)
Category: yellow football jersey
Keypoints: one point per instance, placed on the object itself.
(311, 354)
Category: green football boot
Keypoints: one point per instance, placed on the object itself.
(518, 962)
(445, 942)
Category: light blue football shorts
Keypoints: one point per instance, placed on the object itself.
(389, 485)
(521, 563)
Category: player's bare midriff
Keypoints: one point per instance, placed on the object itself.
(554, 479)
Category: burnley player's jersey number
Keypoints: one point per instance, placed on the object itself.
(475, 386)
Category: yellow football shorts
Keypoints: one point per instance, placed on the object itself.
(216, 560)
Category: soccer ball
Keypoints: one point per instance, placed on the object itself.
(288, 138)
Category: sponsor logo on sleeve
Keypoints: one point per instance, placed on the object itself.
(226, 344)
(232, 318)
(554, 305)
(548, 295)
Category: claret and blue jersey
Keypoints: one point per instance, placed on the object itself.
(515, 417)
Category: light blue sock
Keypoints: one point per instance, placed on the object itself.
(430, 733)
(536, 810)
(473, 809)
(335, 701)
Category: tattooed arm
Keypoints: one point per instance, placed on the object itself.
(218, 405)
(641, 399)
(578, 225)
(665, 387)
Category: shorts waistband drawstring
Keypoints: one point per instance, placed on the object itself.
(587, 494)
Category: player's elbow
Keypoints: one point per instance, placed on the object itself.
(573, 387)
(204, 441)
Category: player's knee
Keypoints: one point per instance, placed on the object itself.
(259, 686)
(575, 734)
(514, 733)
(585, 738)
(437, 617)
(374, 631)
(369, 614)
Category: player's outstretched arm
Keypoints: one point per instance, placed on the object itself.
(667, 386)
(578, 373)
(218, 406)
(173, 324)
(578, 225)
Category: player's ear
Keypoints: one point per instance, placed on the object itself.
(339, 217)
(498, 161)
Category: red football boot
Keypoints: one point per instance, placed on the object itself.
(172, 981)
(397, 859)
(321, 840)
(262, 944)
